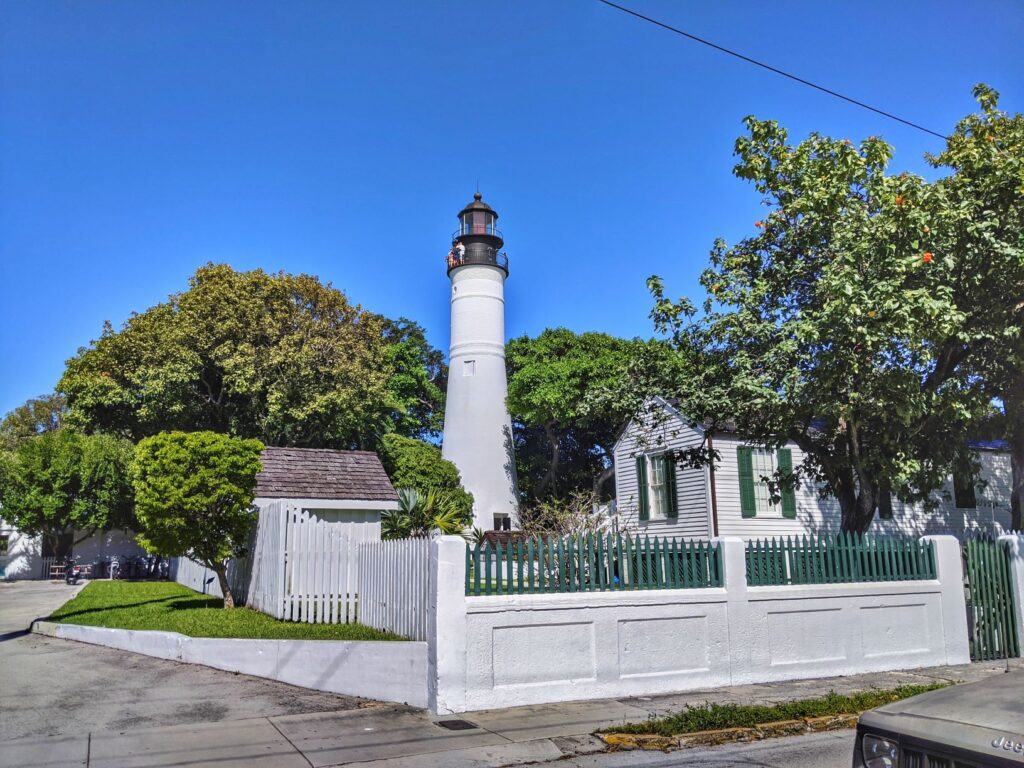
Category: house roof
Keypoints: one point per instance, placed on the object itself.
(323, 473)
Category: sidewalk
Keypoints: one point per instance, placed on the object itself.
(400, 737)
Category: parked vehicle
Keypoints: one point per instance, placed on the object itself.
(73, 572)
(975, 724)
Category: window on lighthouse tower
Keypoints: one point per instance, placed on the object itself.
(477, 223)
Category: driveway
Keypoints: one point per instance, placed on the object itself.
(113, 690)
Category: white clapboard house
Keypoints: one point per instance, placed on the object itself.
(657, 498)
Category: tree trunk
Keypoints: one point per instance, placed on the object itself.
(550, 478)
(1013, 407)
(858, 512)
(600, 480)
(222, 578)
(857, 501)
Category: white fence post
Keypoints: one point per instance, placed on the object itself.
(446, 625)
(1014, 542)
(949, 569)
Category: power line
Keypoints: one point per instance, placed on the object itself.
(770, 68)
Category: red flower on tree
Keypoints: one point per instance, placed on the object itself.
(927, 257)
(758, 224)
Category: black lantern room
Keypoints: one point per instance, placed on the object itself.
(479, 238)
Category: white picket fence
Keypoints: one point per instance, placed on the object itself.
(300, 568)
(393, 586)
(321, 565)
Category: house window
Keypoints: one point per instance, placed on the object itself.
(502, 523)
(657, 486)
(656, 481)
(885, 502)
(963, 491)
(469, 367)
(756, 467)
(764, 464)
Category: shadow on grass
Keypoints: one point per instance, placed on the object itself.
(189, 604)
(105, 608)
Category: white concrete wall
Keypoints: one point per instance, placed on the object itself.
(106, 543)
(813, 514)
(477, 427)
(24, 554)
(386, 671)
(532, 649)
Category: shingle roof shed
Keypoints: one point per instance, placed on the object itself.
(323, 473)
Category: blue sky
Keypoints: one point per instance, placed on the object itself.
(139, 140)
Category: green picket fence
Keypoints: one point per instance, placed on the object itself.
(990, 612)
(590, 563)
(838, 558)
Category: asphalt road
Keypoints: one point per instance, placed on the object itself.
(818, 750)
(56, 687)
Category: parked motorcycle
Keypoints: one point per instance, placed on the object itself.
(72, 573)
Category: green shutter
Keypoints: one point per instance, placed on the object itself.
(748, 500)
(670, 486)
(785, 459)
(641, 484)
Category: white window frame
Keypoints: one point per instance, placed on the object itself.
(765, 463)
(657, 493)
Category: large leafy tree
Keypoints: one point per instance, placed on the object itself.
(61, 483)
(982, 248)
(282, 358)
(194, 494)
(417, 382)
(826, 326)
(33, 417)
(562, 444)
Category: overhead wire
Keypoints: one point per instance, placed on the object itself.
(770, 68)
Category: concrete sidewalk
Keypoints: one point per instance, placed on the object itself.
(400, 737)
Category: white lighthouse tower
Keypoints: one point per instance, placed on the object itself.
(477, 428)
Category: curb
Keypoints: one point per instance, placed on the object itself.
(714, 738)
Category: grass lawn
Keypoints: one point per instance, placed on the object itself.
(712, 717)
(171, 607)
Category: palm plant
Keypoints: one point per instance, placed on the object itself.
(420, 515)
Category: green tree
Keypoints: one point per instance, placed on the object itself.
(33, 417)
(193, 496)
(563, 444)
(61, 482)
(420, 514)
(823, 327)
(979, 240)
(414, 464)
(278, 357)
(418, 380)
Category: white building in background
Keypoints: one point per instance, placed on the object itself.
(477, 427)
(30, 557)
(655, 497)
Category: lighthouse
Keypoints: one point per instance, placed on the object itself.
(477, 427)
